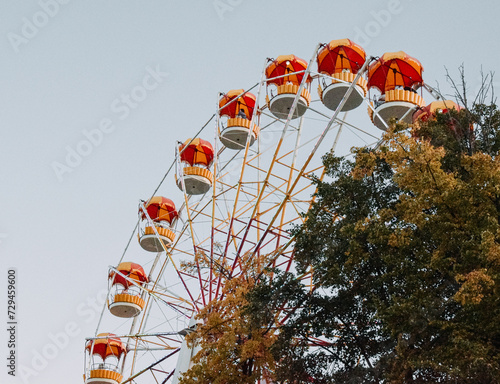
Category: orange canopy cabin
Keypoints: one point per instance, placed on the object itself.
(195, 157)
(155, 229)
(239, 107)
(125, 292)
(286, 73)
(105, 353)
(397, 76)
(341, 60)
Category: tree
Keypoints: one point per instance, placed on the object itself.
(404, 242)
(405, 246)
(235, 336)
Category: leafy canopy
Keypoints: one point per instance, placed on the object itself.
(405, 245)
(404, 242)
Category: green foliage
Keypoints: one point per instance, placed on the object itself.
(405, 248)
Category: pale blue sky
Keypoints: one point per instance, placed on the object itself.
(69, 74)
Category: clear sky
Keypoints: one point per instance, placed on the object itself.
(68, 69)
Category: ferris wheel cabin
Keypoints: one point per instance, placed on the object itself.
(238, 106)
(431, 111)
(105, 353)
(397, 76)
(341, 60)
(155, 232)
(125, 294)
(196, 157)
(286, 74)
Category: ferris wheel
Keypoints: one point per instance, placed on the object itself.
(238, 190)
